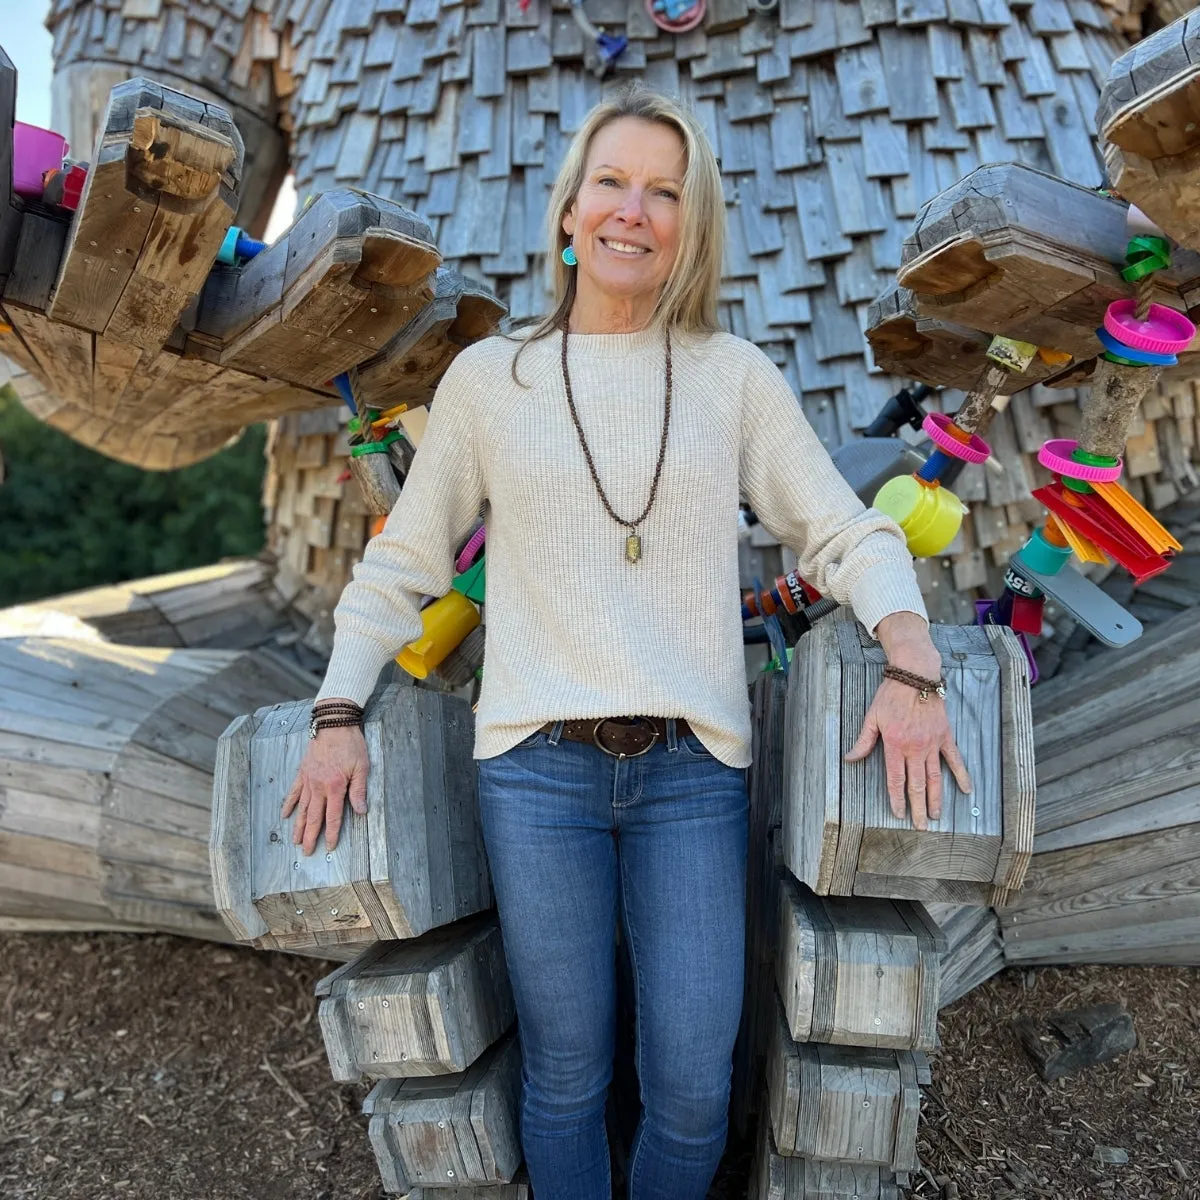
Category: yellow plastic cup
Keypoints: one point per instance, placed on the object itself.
(930, 516)
(445, 623)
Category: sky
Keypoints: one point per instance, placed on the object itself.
(27, 42)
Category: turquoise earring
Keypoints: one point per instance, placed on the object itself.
(568, 255)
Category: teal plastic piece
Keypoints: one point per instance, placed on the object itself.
(228, 251)
(1043, 556)
(472, 581)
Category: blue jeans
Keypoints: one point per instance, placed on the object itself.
(577, 839)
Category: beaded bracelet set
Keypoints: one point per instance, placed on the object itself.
(334, 714)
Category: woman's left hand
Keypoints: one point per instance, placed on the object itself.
(916, 733)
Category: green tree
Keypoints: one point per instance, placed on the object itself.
(71, 518)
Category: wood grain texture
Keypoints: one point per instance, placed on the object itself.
(776, 1177)
(106, 760)
(843, 1104)
(960, 852)
(414, 862)
(427, 1006)
(457, 1130)
(858, 972)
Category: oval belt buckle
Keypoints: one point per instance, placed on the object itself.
(617, 753)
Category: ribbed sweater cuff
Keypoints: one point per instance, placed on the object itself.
(354, 668)
(885, 589)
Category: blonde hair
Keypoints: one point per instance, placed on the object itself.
(688, 301)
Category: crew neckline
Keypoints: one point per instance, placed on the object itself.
(609, 345)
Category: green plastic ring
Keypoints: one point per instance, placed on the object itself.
(1093, 460)
(1144, 256)
(379, 447)
(1124, 362)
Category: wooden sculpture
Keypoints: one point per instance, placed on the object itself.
(156, 353)
(413, 862)
(840, 836)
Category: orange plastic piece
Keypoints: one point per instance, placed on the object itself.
(1053, 358)
(1085, 549)
(1053, 534)
(377, 524)
(1136, 517)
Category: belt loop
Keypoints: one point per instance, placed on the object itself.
(672, 740)
(556, 733)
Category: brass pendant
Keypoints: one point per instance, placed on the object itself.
(633, 548)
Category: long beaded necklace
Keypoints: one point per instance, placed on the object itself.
(633, 540)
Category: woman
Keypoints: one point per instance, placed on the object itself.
(613, 729)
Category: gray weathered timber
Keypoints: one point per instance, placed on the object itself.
(458, 1130)
(840, 836)
(415, 861)
(427, 1006)
(408, 368)
(776, 1177)
(106, 761)
(1007, 235)
(762, 893)
(843, 1103)
(351, 273)
(905, 341)
(858, 972)
(1115, 874)
(519, 1189)
(159, 197)
(1148, 114)
(974, 950)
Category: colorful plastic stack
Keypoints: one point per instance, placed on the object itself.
(929, 513)
(1091, 514)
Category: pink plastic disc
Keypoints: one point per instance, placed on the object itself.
(1164, 331)
(1056, 456)
(974, 451)
(688, 21)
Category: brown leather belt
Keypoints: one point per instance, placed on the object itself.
(622, 737)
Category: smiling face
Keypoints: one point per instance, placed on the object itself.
(624, 222)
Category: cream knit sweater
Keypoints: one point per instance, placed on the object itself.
(573, 630)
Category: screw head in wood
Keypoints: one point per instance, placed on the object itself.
(333, 912)
(362, 1004)
(299, 912)
(387, 1004)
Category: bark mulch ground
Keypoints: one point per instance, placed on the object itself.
(157, 1068)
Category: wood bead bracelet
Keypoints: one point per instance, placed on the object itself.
(334, 714)
(923, 686)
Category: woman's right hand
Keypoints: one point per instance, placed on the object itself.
(335, 763)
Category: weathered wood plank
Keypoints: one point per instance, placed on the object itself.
(460, 1127)
(428, 1006)
(857, 972)
(380, 880)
